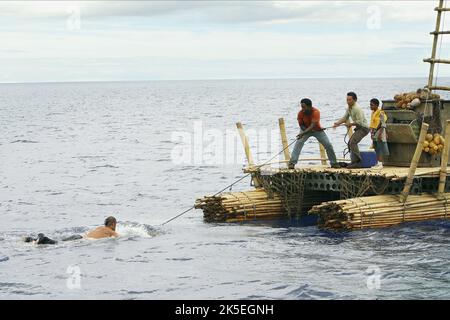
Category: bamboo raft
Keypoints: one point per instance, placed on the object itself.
(412, 185)
(391, 173)
(380, 211)
(240, 206)
(285, 193)
(254, 204)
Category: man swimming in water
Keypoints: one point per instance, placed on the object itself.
(106, 231)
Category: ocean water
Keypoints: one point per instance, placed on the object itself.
(73, 153)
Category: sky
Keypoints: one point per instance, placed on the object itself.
(53, 41)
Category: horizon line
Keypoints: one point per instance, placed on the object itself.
(215, 79)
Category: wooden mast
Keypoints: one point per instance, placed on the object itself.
(444, 161)
(414, 163)
(436, 33)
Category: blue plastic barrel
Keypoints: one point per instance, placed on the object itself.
(369, 159)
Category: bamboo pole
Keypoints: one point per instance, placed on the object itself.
(245, 143)
(444, 161)
(284, 139)
(240, 206)
(323, 154)
(380, 211)
(414, 163)
(299, 159)
(247, 150)
(435, 43)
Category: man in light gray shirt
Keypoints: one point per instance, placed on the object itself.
(361, 125)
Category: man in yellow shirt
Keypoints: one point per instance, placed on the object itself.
(378, 129)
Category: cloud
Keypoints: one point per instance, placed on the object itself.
(213, 39)
(216, 44)
(228, 11)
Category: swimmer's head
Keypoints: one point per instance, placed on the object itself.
(111, 222)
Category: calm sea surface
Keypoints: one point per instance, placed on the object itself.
(72, 154)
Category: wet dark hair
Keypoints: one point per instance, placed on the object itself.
(375, 102)
(306, 101)
(353, 95)
(110, 221)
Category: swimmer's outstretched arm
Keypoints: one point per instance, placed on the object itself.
(74, 237)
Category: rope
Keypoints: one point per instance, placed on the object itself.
(365, 185)
(363, 213)
(193, 207)
(347, 149)
(362, 217)
(252, 202)
(231, 185)
(370, 208)
(353, 201)
(242, 178)
(383, 187)
(240, 203)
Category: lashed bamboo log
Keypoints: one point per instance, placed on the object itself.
(245, 143)
(414, 163)
(250, 205)
(238, 206)
(323, 154)
(248, 153)
(444, 161)
(284, 139)
(392, 173)
(380, 211)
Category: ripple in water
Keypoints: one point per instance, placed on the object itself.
(134, 229)
(24, 141)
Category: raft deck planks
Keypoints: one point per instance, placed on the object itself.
(393, 173)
